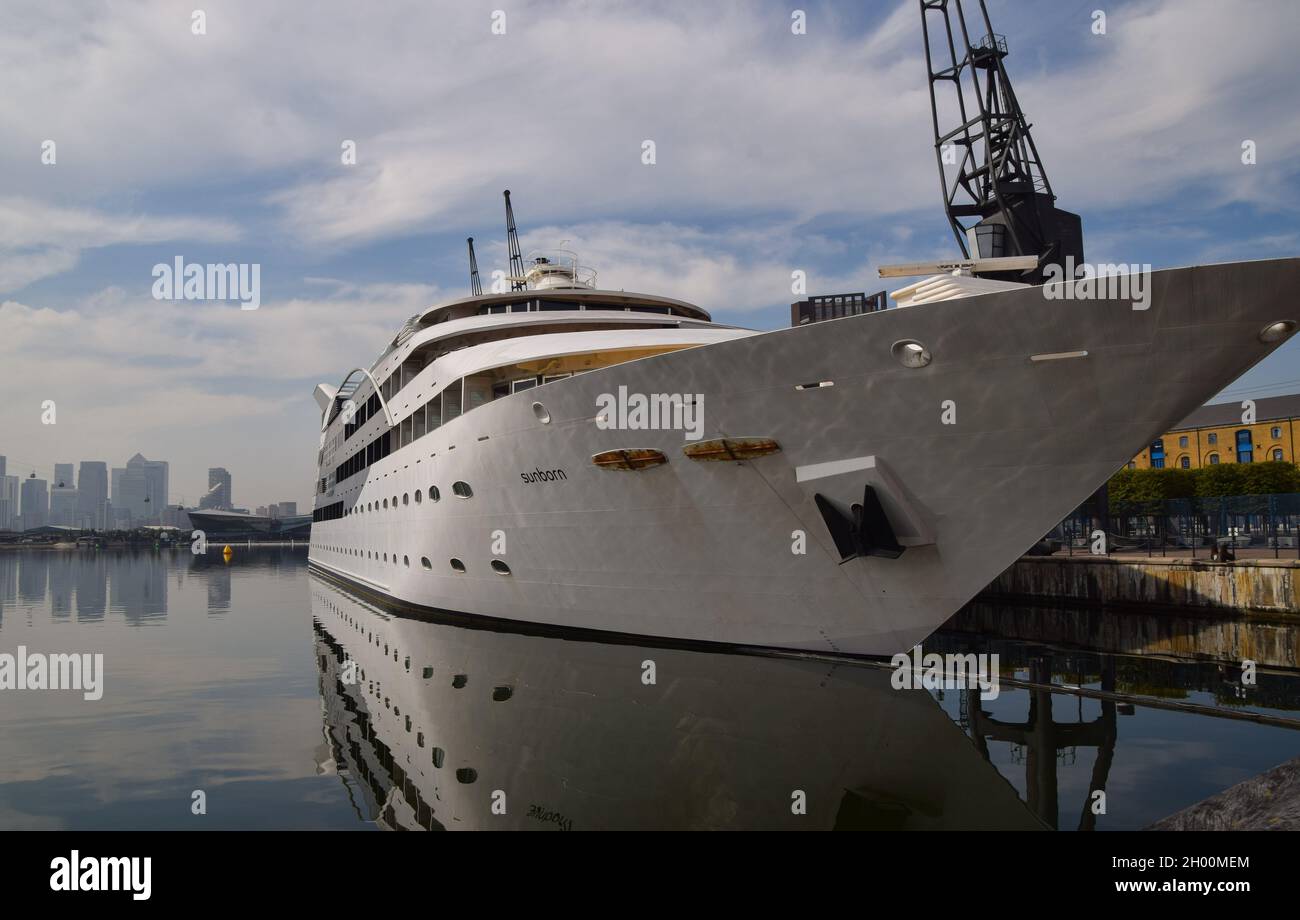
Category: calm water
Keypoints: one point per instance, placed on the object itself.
(292, 703)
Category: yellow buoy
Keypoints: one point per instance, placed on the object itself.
(227, 553)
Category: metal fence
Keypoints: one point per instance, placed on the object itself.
(1254, 526)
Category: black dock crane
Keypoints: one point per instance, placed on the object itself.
(998, 199)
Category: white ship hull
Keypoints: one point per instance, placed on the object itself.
(706, 551)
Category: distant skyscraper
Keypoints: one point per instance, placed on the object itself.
(92, 495)
(218, 496)
(3, 461)
(35, 503)
(63, 496)
(63, 507)
(143, 488)
(8, 502)
(288, 509)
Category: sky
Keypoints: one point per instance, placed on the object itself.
(774, 152)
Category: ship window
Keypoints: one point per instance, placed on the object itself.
(451, 402)
(434, 494)
(433, 413)
(424, 561)
(500, 567)
(457, 565)
(461, 489)
(549, 377)
(521, 307)
(438, 756)
(406, 498)
(418, 499)
(385, 503)
(394, 502)
(500, 389)
(526, 383)
(406, 561)
(385, 557)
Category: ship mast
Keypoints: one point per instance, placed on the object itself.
(512, 243)
(998, 200)
(475, 285)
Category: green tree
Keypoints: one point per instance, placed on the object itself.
(1273, 477)
(1219, 480)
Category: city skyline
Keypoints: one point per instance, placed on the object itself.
(78, 494)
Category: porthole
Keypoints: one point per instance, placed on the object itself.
(1276, 332)
(439, 755)
(406, 498)
(424, 561)
(542, 415)
(394, 501)
(385, 503)
(434, 494)
(418, 496)
(406, 561)
(385, 557)
(910, 353)
(461, 489)
(457, 565)
(500, 567)
(466, 775)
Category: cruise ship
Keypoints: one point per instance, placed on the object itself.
(560, 455)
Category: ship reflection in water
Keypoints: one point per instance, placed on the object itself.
(295, 703)
(440, 723)
(429, 721)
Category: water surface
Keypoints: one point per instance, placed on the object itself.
(291, 702)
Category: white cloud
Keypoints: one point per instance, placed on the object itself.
(198, 384)
(38, 239)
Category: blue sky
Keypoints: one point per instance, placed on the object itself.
(775, 152)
